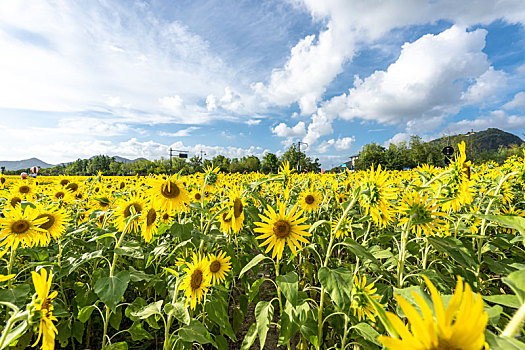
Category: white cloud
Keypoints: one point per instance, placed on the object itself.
(321, 125)
(397, 138)
(341, 144)
(253, 122)
(427, 80)
(211, 103)
(496, 119)
(517, 102)
(174, 104)
(317, 59)
(344, 143)
(180, 133)
(486, 86)
(282, 130)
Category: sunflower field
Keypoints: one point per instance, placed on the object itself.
(419, 259)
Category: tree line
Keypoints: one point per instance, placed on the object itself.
(269, 163)
(416, 152)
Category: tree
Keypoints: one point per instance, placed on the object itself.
(371, 155)
(222, 162)
(270, 163)
(251, 163)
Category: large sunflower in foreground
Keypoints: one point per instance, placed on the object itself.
(197, 280)
(280, 228)
(43, 303)
(168, 195)
(219, 265)
(460, 326)
(21, 227)
(150, 223)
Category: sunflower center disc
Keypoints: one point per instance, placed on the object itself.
(136, 206)
(196, 279)
(15, 201)
(2, 180)
(237, 207)
(24, 189)
(309, 199)
(64, 182)
(49, 223)
(59, 195)
(20, 226)
(215, 266)
(226, 217)
(198, 196)
(281, 228)
(170, 190)
(165, 216)
(72, 186)
(152, 215)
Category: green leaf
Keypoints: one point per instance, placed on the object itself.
(15, 333)
(111, 289)
(455, 249)
(255, 261)
(360, 251)
(263, 316)
(504, 299)
(249, 338)
(138, 332)
(317, 224)
(119, 346)
(254, 289)
(77, 331)
(289, 324)
(511, 221)
(216, 309)
(367, 332)
(85, 313)
(338, 283)
(195, 332)
(115, 319)
(16, 295)
(309, 330)
(179, 311)
(148, 310)
(138, 275)
(516, 281)
(131, 249)
(222, 344)
(289, 285)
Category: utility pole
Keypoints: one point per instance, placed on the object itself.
(202, 153)
(299, 149)
(183, 154)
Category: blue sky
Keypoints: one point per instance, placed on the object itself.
(134, 78)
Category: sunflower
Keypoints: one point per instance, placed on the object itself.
(344, 228)
(226, 222)
(13, 200)
(376, 191)
(219, 265)
(473, 221)
(102, 201)
(23, 189)
(360, 303)
(196, 196)
(421, 212)
(510, 211)
(165, 218)
(280, 228)
(126, 208)
(150, 223)
(168, 195)
(197, 280)
(310, 200)
(457, 190)
(236, 211)
(57, 219)
(43, 303)
(21, 227)
(460, 326)
(61, 195)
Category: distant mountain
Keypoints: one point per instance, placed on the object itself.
(24, 164)
(126, 160)
(486, 140)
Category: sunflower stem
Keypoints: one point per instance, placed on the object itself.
(402, 253)
(10, 266)
(279, 298)
(343, 342)
(17, 316)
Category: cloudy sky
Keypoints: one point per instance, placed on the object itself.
(240, 77)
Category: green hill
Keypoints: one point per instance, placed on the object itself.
(487, 140)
